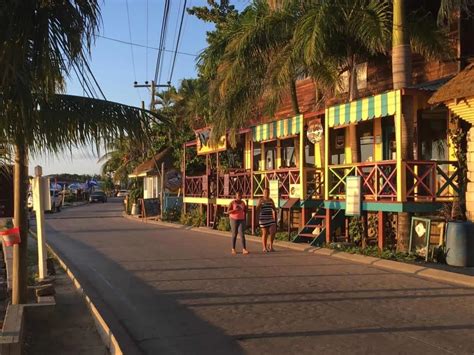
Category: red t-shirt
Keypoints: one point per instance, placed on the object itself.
(239, 206)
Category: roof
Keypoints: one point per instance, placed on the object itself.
(432, 85)
(153, 165)
(461, 86)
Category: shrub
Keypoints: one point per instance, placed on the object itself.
(194, 218)
(172, 214)
(224, 224)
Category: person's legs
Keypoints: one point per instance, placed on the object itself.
(233, 228)
(264, 238)
(241, 231)
(272, 231)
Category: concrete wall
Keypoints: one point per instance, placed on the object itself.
(470, 175)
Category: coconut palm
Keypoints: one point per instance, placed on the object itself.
(402, 77)
(42, 42)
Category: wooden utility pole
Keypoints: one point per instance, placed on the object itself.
(162, 188)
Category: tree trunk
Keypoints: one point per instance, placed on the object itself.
(294, 98)
(401, 51)
(20, 251)
(402, 77)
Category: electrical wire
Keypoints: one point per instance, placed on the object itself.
(146, 52)
(144, 46)
(130, 36)
(183, 12)
(164, 26)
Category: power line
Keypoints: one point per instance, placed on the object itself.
(146, 54)
(177, 41)
(164, 26)
(144, 46)
(130, 36)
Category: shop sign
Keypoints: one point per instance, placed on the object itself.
(353, 196)
(274, 186)
(204, 146)
(315, 131)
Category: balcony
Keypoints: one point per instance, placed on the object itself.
(424, 180)
(237, 180)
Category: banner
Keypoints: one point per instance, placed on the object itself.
(11, 236)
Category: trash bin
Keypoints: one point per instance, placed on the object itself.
(460, 244)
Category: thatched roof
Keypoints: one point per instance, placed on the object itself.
(459, 87)
(154, 164)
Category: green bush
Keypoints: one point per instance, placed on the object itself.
(172, 214)
(374, 251)
(194, 218)
(224, 224)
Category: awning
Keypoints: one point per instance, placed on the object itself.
(364, 109)
(277, 129)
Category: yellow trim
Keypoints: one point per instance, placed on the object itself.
(378, 154)
(347, 148)
(223, 201)
(200, 200)
(318, 163)
(301, 158)
(378, 106)
(401, 173)
(365, 110)
(326, 155)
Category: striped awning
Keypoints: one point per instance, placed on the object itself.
(277, 129)
(364, 109)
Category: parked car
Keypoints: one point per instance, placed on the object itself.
(56, 200)
(122, 193)
(98, 196)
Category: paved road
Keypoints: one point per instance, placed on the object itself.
(177, 292)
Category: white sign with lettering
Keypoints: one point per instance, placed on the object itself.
(353, 196)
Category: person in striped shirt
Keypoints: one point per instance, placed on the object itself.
(266, 212)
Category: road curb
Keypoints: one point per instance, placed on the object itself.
(418, 270)
(103, 328)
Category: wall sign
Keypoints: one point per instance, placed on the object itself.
(315, 131)
(340, 141)
(420, 232)
(353, 196)
(204, 145)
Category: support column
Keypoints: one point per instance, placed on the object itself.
(381, 230)
(328, 226)
(470, 176)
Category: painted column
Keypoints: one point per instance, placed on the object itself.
(326, 155)
(470, 176)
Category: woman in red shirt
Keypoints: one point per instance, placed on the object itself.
(237, 212)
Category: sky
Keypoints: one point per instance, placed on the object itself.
(116, 68)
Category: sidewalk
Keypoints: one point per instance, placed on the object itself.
(67, 329)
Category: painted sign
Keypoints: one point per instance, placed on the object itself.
(420, 232)
(274, 186)
(353, 196)
(204, 146)
(315, 131)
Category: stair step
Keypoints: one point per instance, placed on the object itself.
(313, 225)
(307, 235)
(319, 216)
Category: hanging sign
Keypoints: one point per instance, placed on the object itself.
(315, 131)
(11, 236)
(274, 186)
(353, 196)
(204, 146)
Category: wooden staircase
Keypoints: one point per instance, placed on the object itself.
(314, 232)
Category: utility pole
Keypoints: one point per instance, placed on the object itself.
(40, 188)
(153, 87)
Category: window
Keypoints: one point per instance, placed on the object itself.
(308, 152)
(433, 130)
(257, 156)
(337, 140)
(361, 72)
(270, 155)
(288, 157)
(365, 132)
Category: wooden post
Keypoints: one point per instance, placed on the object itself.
(328, 226)
(381, 230)
(346, 222)
(162, 188)
(364, 233)
(39, 206)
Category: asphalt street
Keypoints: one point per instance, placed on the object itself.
(174, 291)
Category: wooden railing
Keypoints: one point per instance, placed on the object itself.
(286, 177)
(425, 180)
(432, 180)
(379, 180)
(314, 183)
(193, 186)
(233, 182)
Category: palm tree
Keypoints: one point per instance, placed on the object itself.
(42, 42)
(402, 77)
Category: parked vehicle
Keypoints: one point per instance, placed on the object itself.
(56, 200)
(122, 193)
(98, 196)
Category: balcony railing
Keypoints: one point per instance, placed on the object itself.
(193, 186)
(286, 177)
(314, 183)
(233, 182)
(425, 180)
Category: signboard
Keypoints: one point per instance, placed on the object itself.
(296, 191)
(150, 207)
(204, 145)
(420, 236)
(353, 196)
(46, 191)
(315, 131)
(274, 186)
(6, 192)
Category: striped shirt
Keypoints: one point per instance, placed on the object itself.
(266, 214)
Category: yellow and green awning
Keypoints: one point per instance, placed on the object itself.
(364, 109)
(277, 129)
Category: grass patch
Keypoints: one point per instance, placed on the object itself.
(374, 251)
